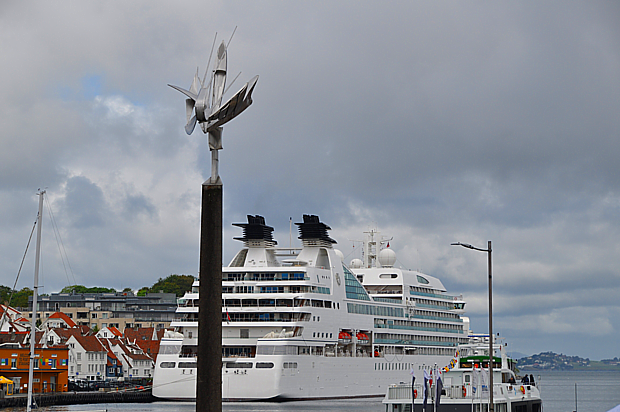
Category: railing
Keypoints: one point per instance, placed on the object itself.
(406, 327)
(445, 318)
(415, 342)
(426, 305)
(402, 391)
(435, 295)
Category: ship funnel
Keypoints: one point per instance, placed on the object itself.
(256, 233)
(313, 232)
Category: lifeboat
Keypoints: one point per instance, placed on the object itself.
(362, 338)
(344, 336)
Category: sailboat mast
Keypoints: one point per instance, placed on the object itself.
(33, 325)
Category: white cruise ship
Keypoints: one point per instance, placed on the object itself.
(299, 324)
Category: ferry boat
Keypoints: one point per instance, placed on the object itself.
(299, 324)
(464, 384)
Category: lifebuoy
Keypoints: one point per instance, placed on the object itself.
(523, 390)
(464, 391)
(415, 394)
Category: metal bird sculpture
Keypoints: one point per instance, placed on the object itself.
(207, 108)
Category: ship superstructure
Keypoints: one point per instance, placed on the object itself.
(300, 324)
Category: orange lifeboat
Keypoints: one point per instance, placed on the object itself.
(344, 336)
(362, 338)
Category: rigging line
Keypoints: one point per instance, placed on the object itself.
(231, 37)
(204, 79)
(64, 250)
(18, 272)
(231, 83)
(62, 259)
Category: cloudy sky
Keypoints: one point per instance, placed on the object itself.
(433, 122)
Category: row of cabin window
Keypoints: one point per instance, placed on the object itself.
(229, 365)
(285, 303)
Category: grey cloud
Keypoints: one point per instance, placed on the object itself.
(84, 203)
(437, 122)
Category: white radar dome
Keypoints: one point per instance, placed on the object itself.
(339, 254)
(356, 263)
(387, 258)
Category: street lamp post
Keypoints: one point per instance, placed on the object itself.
(488, 250)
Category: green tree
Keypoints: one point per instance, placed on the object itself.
(84, 289)
(20, 298)
(177, 284)
(5, 294)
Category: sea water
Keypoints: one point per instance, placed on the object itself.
(596, 392)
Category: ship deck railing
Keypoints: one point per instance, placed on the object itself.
(402, 391)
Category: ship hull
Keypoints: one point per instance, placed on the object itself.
(313, 378)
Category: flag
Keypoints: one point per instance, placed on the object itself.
(438, 388)
(475, 380)
(227, 316)
(412, 390)
(427, 377)
(484, 382)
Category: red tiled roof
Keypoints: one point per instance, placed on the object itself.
(9, 310)
(115, 331)
(65, 333)
(90, 343)
(139, 333)
(59, 315)
(150, 347)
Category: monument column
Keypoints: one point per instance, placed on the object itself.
(205, 103)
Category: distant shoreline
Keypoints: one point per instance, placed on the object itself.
(549, 361)
(576, 369)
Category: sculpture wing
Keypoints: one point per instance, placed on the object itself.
(234, 106)
(189, 94)
(191, 123)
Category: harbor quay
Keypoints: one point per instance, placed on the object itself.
(75, 398)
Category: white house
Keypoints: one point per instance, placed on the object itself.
(87, 358)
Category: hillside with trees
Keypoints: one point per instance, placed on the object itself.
(554, 361)
(19, 298)
(177, 284)
(84, 289)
